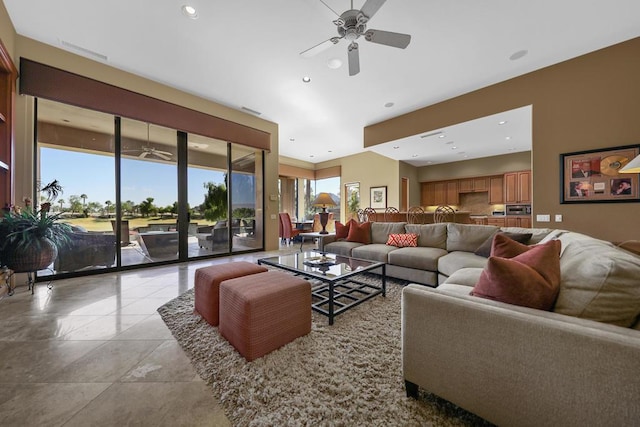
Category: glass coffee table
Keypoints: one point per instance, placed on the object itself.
(339, 288)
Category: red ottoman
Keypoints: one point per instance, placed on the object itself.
(207, 284)
(262, 312)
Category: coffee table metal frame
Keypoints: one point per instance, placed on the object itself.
(339, 290)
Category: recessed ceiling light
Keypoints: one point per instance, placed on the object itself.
(334, 63)
(329, 151)
(311, 155)
(414, 155)
(395, 147)
(519, 54)
(442, 136)
(190, 11)
(507, 138)
(292, 139)
(502, 122)
(389, 104)
(454, 148)
(306, 79)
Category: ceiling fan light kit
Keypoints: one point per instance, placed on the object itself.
(352, 24)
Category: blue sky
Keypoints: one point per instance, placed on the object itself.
(94, 175)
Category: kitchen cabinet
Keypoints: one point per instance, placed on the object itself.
(439, 193)
(517, 187)
(427, 194)
(496, 190)
(499, 222)
(518, 221)
(472, 185)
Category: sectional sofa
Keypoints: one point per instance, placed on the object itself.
(577, 364)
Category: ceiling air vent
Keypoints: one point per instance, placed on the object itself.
(83, 50)
(249, 110)
(431, 134)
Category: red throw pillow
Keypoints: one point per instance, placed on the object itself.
(342, 230)
(360, 233)
(403, 240)
(504, 246)
(530, 279)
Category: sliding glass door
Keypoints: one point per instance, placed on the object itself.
(128, 183)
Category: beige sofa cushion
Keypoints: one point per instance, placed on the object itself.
(429, 235)
(599, 281)
(380, 230)
(468, 237)
(418, 257)
(454, 261)
(465, 277)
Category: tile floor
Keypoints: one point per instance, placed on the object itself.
(93, 351)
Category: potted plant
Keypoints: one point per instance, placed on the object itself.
(30, 238)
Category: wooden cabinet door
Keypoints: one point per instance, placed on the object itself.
(512, 221)
(500, 222)
(511, 187)
(440, 193)
(453, 198)
(480, 184)
(428, 194)
(524, 187)
(465, 185)
(525, 222)
(496, 190)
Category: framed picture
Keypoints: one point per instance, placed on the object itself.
(378, 197)
(593, 176)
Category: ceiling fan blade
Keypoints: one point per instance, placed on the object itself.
(388, 38)
(354, 59)
(143, 154)
(162, 156)
(371, 7)
(166, 153)
(319, 47)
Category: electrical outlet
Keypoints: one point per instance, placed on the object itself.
(543, 218)
(558, 218)
(273, 216)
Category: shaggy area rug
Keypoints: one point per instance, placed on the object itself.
(346, 374)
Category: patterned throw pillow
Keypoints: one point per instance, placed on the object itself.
(403, 240)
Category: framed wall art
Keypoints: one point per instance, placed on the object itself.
(378, 197)
(593, 176)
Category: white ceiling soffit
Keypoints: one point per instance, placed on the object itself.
(247, 53)
(502, 133)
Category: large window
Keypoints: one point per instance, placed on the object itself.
(127, 184)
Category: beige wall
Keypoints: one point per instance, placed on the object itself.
(58, 58)
(370, 170)
(495, 165)
(412, 174)
(588, 102)
(7, 32)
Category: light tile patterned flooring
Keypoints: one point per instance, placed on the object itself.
(93, 351)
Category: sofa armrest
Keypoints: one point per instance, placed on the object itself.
(324, 240)
(518, 366)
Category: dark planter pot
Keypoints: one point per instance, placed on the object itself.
(32, 258)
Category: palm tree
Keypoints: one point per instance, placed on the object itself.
(61, 201)
(84, 200)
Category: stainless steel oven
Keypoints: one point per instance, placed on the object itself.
(518, 209)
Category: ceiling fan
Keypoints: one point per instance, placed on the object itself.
(151, 152)
(351, 25)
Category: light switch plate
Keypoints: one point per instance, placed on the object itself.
(558, 218)
(543, 218)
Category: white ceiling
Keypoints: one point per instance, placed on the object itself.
(245, 53)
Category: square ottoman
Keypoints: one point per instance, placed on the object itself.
(207, 284)
(262, 312)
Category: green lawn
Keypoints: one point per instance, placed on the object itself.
(104, 224)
